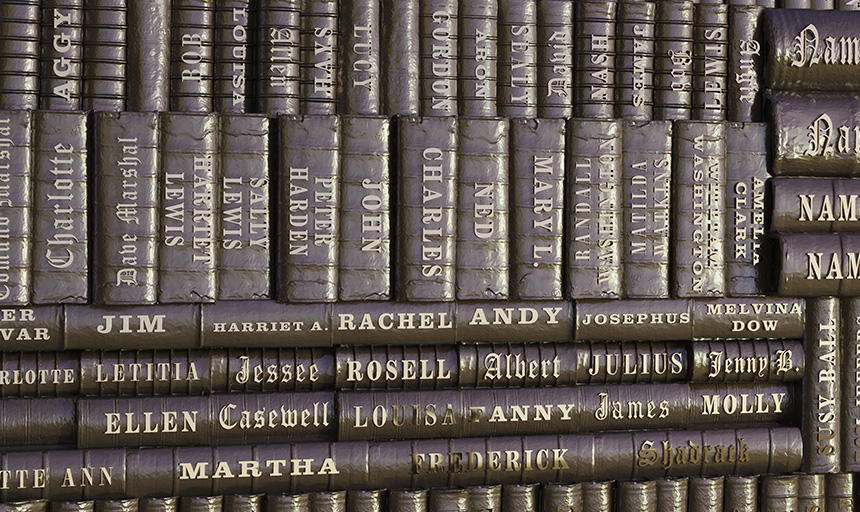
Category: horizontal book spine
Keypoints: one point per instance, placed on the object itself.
(233, 50)
(478, 77)
(244, 257)
(537, 208)
(361, 60)
(810, 491)
(438, 57)
(104, 72)
(555, 59)
(427, 208)
(779, 492)
(673, 60)
(407, 500)
(278, 56)
(190, 185)
(741, 493)
(562, 497)
(746, 64)
(401, 72)
(17, 164)
(820, 422)
(710, 61)
(365, 210)
(598, 496)
(127, 208)
(19, 85)
(814, 205)
(634, 94)
(818, 264)
(31, 423)
(398, 464)
(148, 70)
(744, 361)
(800, 58)
(60, 200)
(192, 43)
(320, 55)
(61, 54)
(672, 494)
(517, 65)
(595, 48)
(309, 185)
(637, 496)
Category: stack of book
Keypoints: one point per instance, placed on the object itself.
(411, 255)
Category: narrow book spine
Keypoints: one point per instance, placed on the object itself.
(16, 164)
(366, 501)
(201, 503)
(410, 500)
(595, 48)
(673, 62)
(278, 56)
(61, 54)
(640, 496)
(447, 500)
(104, 73)
(162, 504)
(189, 186)
(427, 208)
(593, 223)
(73, 506)
(779, 492)
(320, 55)
(244, 257)
(749, 250)
(810, 492)
(149, 24)
(60, 236)
(401, 62)
(710, 61)
(365, 210)
(646, 182)
(233, 49)
(438, 57)
(700, 217)
(821, 397)
(839, 491)
(483, 242)
(334, 501)
(672, 494)
(128, 505)
(486, 498)
(478, 76)
(705, 494)
(192, 43)
(309, 188)
(746, 64)
(537, 207)
(520, 498)
(850, 347)
(741, 493)
(19, 84)
(288, 503)
(361, 60)
(517, 65)
(127, 165)
(598, 496)
(555, 59)
(564, 497)
(634, 93)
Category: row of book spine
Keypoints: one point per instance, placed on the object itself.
(512, 58)
(418, 209)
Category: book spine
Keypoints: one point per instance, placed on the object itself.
(427, 208)
(365, 209)
(795, 4)
(439, 22)
(129, 505)
(278, 56)
(366, 501)
(104, 73)
(796, 58)
(746, 64)
(327, 501)
(411, 500)
(537, 207)
(478, 77)
(73, 506)
(60, 237)
(749, 250)
(361, 57)
(203, 420)
(19, 84)
(191, 55)
(700, 218)
(741, 493)
(161, 504)
(16, 168)
(745, 361)
(401, 69)
(814, 205)
(598, 496)
(483, 242)
(810, 492)
(705, 494)
(847, 5)
(818, 264)
(61, 54)
(595, 49)
(672, 494)
(517, 64)
(646, 182)
(309, 187)
(201, 503)
(850, 347)
(821, 396)
(319, 58)
(379, 415)
(233, 72)
(38, 423)
(634, 94)
(288, 503)
(148, 70)
(710, 61)
(839, 491)
(447, 500)
(562, 497)
(641, 496)
(147, 372)
(276, 370)
(673, 61)
(779, 492)
(594, 217)
(401, 464)
(243, 256)
(485, 498)
(39, 374)
(189, 186)
(126, 222)
(555, 59)
(520, 498)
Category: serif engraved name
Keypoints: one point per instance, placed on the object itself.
(601, 90)
(194, 50)
(397, 370)
(145, 372)
(21, 333)
(363, 48)
(715, 82)
(443, 65)
(252, 469)
(705, 213)
(372, 222)
(827, 207)
(483, 49)
(62, 43)
(323, 220)
(640, 64)
(749, 224)
(659, 363)
(522, 59)
(324, 61)
(254, 229)
(240, 54)
(543, 206)
(86, 476)
(491, 460)
(432, 213)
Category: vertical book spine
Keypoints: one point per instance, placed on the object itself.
(478, 77)
(320, 55)
(148, 67)
(746, 65)
(673, 64)
(595, 47)
(401, 66)
(635, 61)
(191, 55)
(517, 93)
(16, 166)
(233, 74)
(555, 58)
(438, 57)
(820, 423)
(361, 60)
(278, 55)
(62, 54)
(105, 65)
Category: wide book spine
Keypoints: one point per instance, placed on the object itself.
(104, 73)
(479, 55)
(555, 59)
(19, 84)
(278, 56)
(17, 160)
(815, 205)
(192, 42)
(148, 70)
(438, 27)
(233, 50)
(818, 264)
(196, 471)
(320, 56)
(595, 47)
(61, 53)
